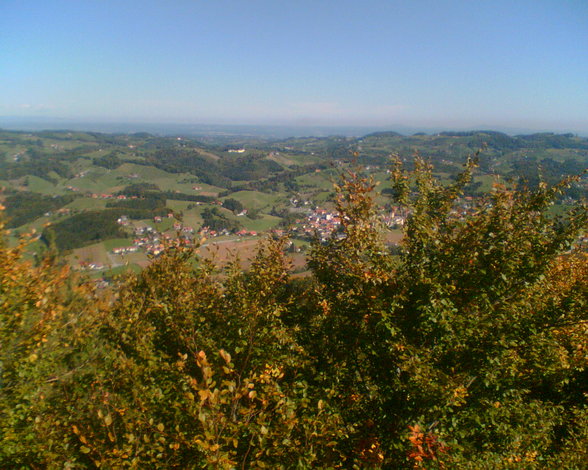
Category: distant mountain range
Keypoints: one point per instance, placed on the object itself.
(238, 130)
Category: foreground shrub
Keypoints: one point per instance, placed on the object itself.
(464, 349)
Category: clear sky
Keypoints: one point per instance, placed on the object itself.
(455, 64)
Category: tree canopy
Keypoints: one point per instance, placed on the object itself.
(466, 348)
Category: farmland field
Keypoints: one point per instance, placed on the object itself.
(278, 183)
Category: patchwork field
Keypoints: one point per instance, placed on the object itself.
(277, 182)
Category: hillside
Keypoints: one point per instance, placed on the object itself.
(51, 179)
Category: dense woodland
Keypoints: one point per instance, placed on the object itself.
(25, 207)
(466, 348)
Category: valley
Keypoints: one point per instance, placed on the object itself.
(110, 203)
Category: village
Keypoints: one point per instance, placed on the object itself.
(319, 224)
(153, 242)
(314, 224)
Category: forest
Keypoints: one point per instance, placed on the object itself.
(465, 348)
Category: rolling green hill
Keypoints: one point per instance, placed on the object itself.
(69, 179)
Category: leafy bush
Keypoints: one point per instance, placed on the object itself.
(233, 205)
(466, 349)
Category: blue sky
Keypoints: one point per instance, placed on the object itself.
(454, 64)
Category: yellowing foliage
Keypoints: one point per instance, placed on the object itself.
(473, 338)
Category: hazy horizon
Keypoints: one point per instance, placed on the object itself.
(377, 64)
(238, 129)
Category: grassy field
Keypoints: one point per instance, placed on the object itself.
(139, 259)
(98, 180)
(265, 222)
(40, 223)
(322, 197)
(40, 185)
(192, 219)
(86, 203)
(487, 182)
(205, 189)
(179, 205)
(282, 159)
(302, 159)
(255, 200)
(322, 180)
(164, 225)
(182, 182)
(109, 245)
(95, 253)
(224, 251)
(96, 153)
(122, 270)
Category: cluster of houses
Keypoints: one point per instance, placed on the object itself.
(91, 266)
(146, 239)
(246, 233)
(209, 233)
(123, 220)
(61, 211)
(319, 222)
(396, 217)
(158, 219)
(125, 250)
(324, 223)
(149, 240)
(150, 244)
(178, 227)
(298, 202)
